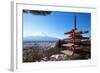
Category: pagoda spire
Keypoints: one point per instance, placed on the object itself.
(75, 22)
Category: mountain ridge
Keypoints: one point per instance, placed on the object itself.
(40, 38)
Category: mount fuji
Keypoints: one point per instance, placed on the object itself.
(40, 38)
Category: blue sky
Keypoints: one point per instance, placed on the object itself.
(55, 24)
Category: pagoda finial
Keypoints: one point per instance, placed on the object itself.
(75, 22)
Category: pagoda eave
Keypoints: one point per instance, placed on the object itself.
(76, 32)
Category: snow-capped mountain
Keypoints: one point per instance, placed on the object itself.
(40, 38)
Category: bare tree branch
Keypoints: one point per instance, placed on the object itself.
(37, 12)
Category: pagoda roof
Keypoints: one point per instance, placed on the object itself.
(74, 32)
(68, 45)
(67, 52)
(77, 47)
(77, 39)
(81, 47)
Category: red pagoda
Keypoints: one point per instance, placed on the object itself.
(76, 43)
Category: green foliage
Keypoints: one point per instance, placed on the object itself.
(60, 43)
